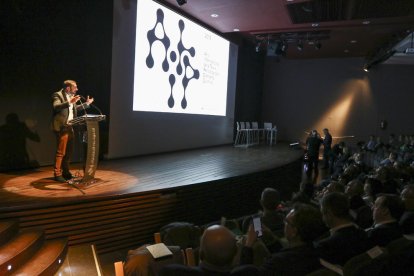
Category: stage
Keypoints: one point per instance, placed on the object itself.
(148, 191)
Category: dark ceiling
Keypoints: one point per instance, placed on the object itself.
(339, 28)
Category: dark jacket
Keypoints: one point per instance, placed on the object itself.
(343, 244)
(294, 261)
(61, 110)
(384, 234)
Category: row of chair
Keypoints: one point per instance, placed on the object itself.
(249, 134)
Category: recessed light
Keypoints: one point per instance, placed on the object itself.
(353, 41)
(214, 15)
(236, 30)
(315, 24)
(366, 22)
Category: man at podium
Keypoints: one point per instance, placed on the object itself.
(65, 106)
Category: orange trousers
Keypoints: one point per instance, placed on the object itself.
(64, 143)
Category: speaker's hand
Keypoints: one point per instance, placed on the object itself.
(74, 99)
(89, 100)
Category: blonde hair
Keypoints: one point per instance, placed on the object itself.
(68, 83)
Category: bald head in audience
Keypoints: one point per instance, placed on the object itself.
(218, 246)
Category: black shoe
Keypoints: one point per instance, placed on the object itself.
(60, 179)
(67, 176)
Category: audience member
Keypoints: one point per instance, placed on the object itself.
(390, 160)
(386, 213)
(217, 251)
(302, 226)
(370, 146)
(359, 210)
(271, 216)
(407, 219)
(346, 239)
(372, 188)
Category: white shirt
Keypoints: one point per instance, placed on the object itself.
(69, 96)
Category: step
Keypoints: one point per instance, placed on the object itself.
(46, 261)
(7, 230)
(81, 258)
(18, 250)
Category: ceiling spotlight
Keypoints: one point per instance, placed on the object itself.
(258, 45)
(181, 2)
(299, 46)
(281, 48)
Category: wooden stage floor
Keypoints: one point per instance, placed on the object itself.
(143, 174)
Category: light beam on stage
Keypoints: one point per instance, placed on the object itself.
(356, 91)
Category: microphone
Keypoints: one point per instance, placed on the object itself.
(83, 107)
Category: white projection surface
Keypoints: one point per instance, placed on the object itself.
(180, 67)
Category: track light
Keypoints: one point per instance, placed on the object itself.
(300, 46)
(258, 45)
(181, 2)
(318, 46)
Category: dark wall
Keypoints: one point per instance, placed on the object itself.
(43, 43)
(300, 95)
(249, 83)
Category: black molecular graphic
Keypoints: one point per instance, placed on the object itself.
(183, 59)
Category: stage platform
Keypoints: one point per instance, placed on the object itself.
(131, 198)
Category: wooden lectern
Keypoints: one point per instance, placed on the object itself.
(92, 156)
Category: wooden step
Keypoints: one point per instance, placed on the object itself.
(17, 251)
(46, 261)
(7, 230)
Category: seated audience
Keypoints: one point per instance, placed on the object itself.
(370, 146)
(407, 219)
(360, 212)
(302, 225)
(217, 251)
(372, 188)
(387, 211)
(390, 160)
(271, 217)
(346, 239)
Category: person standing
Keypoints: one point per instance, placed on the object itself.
(313, 144)
(327, 143)
(65, 106)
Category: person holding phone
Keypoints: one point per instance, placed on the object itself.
(257, 225)
(302, 226)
